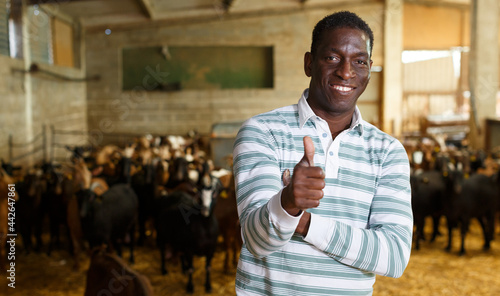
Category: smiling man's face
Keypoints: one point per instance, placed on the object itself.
(339, 70)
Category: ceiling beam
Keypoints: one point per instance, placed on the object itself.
(147, 8)
(446, 3)
(102, 23)
(208, 15)
(41, 2)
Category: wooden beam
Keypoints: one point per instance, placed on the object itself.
(446, 3)
(146, 8)
(483, 66)
(392, 98)
(100, 23)
(41, 2)
(209, 15)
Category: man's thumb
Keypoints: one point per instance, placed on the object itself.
(308, 159)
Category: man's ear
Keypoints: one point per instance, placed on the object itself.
(307, 63)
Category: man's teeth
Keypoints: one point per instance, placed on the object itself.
(342, 88)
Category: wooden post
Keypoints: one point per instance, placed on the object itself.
(392, 82)
(483, 74)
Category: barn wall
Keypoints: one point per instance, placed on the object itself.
(13, 104)
(61, 104)
(31, 101)
(113, 110)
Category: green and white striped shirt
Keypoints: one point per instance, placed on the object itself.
(362, 227)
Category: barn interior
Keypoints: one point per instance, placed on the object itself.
(92, 73)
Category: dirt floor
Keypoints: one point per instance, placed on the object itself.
(431, 271)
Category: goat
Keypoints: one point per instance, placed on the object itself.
(188, 226)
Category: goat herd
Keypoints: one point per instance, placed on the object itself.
(454, 182)
(167, 189)
(161, 188)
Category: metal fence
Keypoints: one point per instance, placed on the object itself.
(37, 146)
(54, 145)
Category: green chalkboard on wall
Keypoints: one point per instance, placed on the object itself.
(189, 67)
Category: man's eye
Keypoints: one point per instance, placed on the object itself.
(361, 62)
(332, 58)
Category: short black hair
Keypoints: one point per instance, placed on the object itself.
(341, 19)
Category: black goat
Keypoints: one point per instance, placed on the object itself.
(478, 198)
(430, 190)
(188, 226)
(59, 190)
(110, 218)
(30, 210)
(144, 186)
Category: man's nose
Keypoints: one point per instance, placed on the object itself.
(345, 70)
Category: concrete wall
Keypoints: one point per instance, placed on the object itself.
(13, 104)
(111, 110)
(30, 101)
(61, 104)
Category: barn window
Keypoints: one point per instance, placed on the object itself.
(434, 86)
(173, 68)
(62, 43)
(51, 39)
(40, 35)
(15, 8)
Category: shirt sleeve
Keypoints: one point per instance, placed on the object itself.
(384, 246)
(266, 226)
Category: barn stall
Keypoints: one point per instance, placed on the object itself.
(87, 74)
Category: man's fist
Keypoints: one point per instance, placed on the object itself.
(305, 188)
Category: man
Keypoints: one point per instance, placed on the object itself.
(323, 196)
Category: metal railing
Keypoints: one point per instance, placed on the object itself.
(62, 140)
(36, 145)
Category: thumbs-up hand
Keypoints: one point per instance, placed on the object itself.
(305, 188)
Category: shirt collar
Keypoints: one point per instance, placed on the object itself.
(306, 113)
